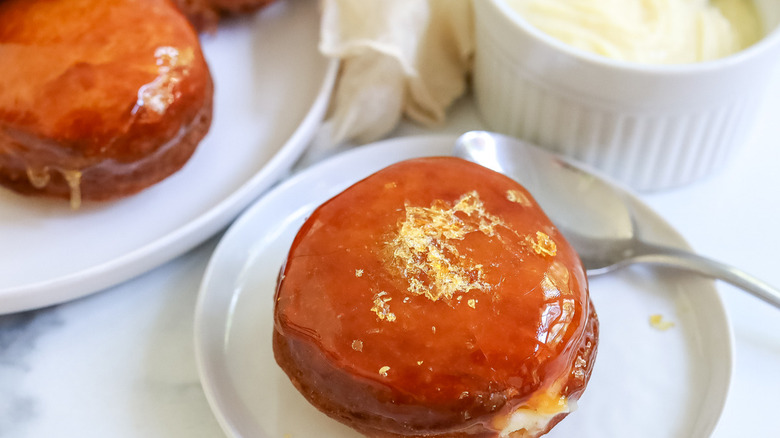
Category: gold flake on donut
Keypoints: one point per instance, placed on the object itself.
(544, 245)
(382, 307)
(518, 197)
(423, 249)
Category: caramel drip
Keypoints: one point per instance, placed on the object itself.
(73, 177)
(39, 178)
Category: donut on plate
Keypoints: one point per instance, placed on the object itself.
(99, 99)
(435, 299)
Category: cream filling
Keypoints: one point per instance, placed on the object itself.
(533, 421)
(535, 415)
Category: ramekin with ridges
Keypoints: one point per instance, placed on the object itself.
(651, 127)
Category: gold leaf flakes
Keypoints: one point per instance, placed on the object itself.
(383, 371)
(357, 345)
(424, 252)
(382, 308)
(544, 245)
(658, 322)
(518, 197)
(358, 273)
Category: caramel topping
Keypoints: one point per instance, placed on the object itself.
(560, 307)
(556, 281)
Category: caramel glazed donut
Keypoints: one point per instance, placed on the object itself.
(99, 99)
(435, 299)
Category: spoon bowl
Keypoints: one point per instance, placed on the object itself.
(594, 215)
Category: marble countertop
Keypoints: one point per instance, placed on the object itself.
(121, 362)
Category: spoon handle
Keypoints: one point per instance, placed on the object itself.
(673, 257)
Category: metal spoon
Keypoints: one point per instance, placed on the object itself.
(596, 217)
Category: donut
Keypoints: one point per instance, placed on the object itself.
(435, 299)
(99, 99)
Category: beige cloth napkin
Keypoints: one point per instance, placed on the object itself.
(399, 57)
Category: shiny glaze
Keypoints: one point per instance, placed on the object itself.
(96, 86)
(366, 339)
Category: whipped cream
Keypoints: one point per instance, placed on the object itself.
(647, 31)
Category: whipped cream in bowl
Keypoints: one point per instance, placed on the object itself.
(648, 31)
(654, 93)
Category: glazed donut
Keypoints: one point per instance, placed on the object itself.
(435, 299)
(99, 99)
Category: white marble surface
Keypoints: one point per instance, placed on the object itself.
(120, 363)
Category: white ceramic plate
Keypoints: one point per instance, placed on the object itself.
(271, 91)
(646, 382)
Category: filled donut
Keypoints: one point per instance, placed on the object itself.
(99, 99)
(435, 299)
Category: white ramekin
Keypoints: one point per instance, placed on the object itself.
(651, 127)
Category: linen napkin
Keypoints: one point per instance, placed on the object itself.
(399, 58)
